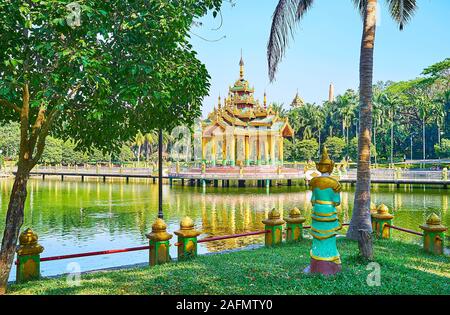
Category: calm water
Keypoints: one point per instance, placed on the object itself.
(72, 217)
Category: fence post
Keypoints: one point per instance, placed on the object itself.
(294, 225)
(28, 257)
(444, 173)
(159, 243)
(187, 239)
(274, 225)
(433, 235)
(379, 221)
(177, 168)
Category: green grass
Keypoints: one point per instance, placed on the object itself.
(405, 269)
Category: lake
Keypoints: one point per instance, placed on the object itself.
(73, 216)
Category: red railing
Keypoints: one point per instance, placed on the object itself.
(404, 230)
(102, 252)
(209, 239)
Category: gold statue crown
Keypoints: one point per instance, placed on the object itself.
(325, 165)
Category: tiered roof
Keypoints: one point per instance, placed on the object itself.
(243, 112)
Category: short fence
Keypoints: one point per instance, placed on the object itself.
(29, 250)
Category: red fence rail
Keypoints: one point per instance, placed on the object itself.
(404, 230)
(97, 253)
(209, 239)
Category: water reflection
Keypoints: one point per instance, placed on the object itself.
(74, 216)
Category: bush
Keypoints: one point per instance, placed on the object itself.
(335, 146)
(301, 150)
(443, 150)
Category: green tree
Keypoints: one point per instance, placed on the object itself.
(443, 150)
(336, 147)
(125, 65)
(53, 151)
(10, 137)
(285, 17)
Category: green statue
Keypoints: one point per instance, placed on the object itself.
(325, 258)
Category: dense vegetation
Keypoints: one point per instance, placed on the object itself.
(414, 111)
(268, 271)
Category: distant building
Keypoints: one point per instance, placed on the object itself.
(242, 131)
(297, 102)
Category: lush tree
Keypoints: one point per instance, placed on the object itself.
(10, 137)
(336, 147)
(443, 150)
(121, 67)
(300, 150)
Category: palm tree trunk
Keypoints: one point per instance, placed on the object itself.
(423, 138)
(361, 208)
(392, 141)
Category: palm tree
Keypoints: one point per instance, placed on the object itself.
(278, 108)
(286, 15)
(139, 140)
(390, 104)
(151, 139)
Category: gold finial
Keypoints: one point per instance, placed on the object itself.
(433, 219)
(28, 243)
(186, 223)
(241, 65)
(219, 103)
(382, 209)
(265, 99)
(159, 231)
(274, 218)
(294, 213)
(326, 165)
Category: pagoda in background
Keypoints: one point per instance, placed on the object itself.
(242, 131)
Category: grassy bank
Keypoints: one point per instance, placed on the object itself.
(405, 269)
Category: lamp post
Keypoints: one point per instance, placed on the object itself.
(160, 167)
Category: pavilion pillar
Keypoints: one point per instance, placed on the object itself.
(266, 150)
(213, 151)
(272, 150)
(224, 151)
(233, 151)
(204, 143)
(258, 150)
(280, 149)
(247, 150)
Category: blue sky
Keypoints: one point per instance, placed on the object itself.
(325, 48)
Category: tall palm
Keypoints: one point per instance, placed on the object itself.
(151, 139)
(290, 12)
(390, 104)
(278, 108)
(139, 140)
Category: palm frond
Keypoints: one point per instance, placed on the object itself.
(402, 10)
(284, 19)
(360, 5)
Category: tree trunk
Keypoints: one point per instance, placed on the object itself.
(361, 208)
(392, 141)
(423, 139)
(365, 244)
(14, 221)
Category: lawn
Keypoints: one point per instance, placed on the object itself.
(405, 269)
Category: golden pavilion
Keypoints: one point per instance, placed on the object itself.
(242, 131)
